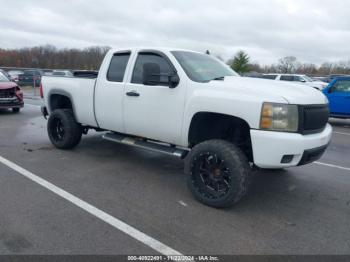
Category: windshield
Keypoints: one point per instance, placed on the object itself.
(202, 67)
(3, 78)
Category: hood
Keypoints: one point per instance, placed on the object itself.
(270, 90)
(7, 85)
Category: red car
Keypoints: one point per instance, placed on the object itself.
(11, 96)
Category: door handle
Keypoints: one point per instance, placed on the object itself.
(132, 93)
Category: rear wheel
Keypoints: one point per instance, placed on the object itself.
(218, 173)
(63, 130)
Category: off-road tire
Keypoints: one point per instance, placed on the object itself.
(63, 130)
(234, 169)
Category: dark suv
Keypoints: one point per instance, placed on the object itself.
(29, 77)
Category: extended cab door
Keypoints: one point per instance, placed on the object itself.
(109, 92)
(154, 111)
(339, 97)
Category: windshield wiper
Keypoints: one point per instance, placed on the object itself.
(218, 78)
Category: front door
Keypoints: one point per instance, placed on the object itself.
(154, 111)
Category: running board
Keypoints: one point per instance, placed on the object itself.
(144, 144)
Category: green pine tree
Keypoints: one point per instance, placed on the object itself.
(240, 62)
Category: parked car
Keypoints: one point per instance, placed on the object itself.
(29, 77)
(320, 78)
(47, 72)
(193, 106)
(338, 94)
(11, 96)
(303, 79)
(14, 74)
(66, 73)
(330, 78)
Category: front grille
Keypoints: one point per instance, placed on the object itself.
(6, 93)
(313, 118)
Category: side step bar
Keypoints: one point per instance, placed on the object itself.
(137, 142)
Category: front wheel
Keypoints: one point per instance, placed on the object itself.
(218, 173)
(63, 130)
(16, 110)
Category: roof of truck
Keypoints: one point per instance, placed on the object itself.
(163, 49)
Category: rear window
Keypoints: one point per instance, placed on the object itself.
(117, 67)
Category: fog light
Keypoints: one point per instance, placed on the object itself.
(286, 159)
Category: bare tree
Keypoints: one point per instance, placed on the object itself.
(287, 64)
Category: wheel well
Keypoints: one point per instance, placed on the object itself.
(60, 102)
(205, 126)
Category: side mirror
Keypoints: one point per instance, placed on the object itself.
(151, 74)
(174, 80)
(330, 90)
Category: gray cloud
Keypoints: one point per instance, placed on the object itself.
(312, 30)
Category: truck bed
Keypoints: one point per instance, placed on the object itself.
(81, 92)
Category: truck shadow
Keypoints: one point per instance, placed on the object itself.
(268, 185)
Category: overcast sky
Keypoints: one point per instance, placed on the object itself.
(312, 30)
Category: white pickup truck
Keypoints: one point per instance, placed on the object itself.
(193, 106)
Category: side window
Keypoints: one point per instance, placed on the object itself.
(143, 58)
(298, 79)
(287, 78)
(342, 86)
(272, 77)
(117, 67)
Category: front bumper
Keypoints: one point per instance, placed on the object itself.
(269, 148)
(12, 102)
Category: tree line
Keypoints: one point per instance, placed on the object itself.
(50, 57)
(241, 63)
(90, 58)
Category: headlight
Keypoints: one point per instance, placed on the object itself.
(279, 117)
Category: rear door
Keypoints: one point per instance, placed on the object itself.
(109, 94)
(339, 97)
